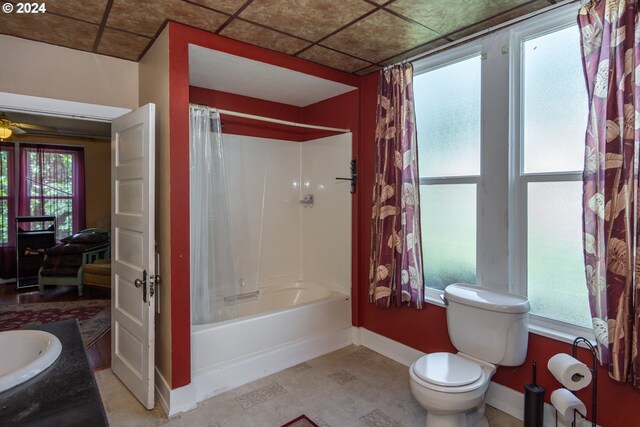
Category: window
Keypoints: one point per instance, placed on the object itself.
(6, 192)
(447, 103)
(501, 127)
(50, 181)
(553, 119)
(48, 185)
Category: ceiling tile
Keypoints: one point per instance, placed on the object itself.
(260, 36)
(448, 16)
(416, 52)
(91, 11)
(333, 59)
(379, 36)
(368, 70)
(122, 45)
(226, 6)
(50, 28)
(145, 18)
(504, 17)
(308, 19)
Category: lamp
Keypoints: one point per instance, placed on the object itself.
(5, 132)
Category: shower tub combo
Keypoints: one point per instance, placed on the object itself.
(277, 327)
(277, 291)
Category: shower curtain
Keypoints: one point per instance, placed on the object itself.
(212, 268)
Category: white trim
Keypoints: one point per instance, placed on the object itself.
(59, 108)
(387, 347)
(454, 55)
(211, 382)
(173, 401)
(559, 331)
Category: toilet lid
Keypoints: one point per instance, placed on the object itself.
(446, 369)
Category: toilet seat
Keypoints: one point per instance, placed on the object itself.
(448, 373)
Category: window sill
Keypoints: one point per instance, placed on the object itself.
(567, 333)
(555, 330)
(434, 296)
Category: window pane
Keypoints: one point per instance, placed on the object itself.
(4, 223)
(447, 103)
(56, 174)
(448, 215)
(4, 173)
(555, 267)
(554, 102)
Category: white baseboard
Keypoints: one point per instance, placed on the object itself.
(174, 401)
(246, 370)
(387, 347)
(213, 382)
(500, 397)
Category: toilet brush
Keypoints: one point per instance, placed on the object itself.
(533, 403)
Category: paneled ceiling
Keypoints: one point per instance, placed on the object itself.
(357, 36)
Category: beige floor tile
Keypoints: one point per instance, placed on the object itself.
(351, 387)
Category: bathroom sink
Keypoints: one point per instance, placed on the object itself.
(25, 354)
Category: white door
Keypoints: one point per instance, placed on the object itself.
(132, 255)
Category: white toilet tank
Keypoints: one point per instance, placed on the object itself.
(488, 325)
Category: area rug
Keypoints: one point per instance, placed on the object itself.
(94, 316)
(301, 421)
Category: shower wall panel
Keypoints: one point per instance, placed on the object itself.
(263, 177)
(275, 238)
(326, 227)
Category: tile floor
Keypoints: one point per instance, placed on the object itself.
(353, 386)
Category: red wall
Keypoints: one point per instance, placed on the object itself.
(244, 104)
(322, 113)
(426, 330)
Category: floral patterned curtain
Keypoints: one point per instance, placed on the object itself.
(396, 256)
(611, 57)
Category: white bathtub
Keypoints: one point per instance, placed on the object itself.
(284, 326)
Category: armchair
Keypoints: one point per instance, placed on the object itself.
(64, 263)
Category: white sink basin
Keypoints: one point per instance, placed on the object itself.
(24, 354)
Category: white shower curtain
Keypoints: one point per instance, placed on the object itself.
(212, 268)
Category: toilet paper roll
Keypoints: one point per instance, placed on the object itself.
(566, 403)
(571, 373)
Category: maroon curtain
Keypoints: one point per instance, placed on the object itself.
(396, 254)
(52, 183)
(7, 212)
(611, 57)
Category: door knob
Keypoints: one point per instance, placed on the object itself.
(138, 283)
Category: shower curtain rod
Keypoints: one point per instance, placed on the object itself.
(270, 120)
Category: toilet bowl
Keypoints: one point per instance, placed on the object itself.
(488, 328)
(451, 387)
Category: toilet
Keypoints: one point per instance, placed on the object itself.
(488, 328)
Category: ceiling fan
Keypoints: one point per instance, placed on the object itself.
(9, 127)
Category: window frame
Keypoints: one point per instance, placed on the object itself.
(455, 55)
(500, 219)
(541, 25)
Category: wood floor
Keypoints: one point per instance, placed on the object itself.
(99, 353)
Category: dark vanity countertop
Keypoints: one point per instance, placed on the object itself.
(66, 394)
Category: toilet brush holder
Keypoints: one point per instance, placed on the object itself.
(533, 403)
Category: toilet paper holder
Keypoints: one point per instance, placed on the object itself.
(594, 384)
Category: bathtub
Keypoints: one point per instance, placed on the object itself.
(278, 328)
